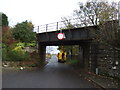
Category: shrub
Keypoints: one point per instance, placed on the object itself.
(4, 52)
(21, 44)
(33, 44)
(18, 54)
(72, 62)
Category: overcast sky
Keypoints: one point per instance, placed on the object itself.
(38, 11)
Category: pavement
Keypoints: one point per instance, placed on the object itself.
(105, 83)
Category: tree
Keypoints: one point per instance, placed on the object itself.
(95, 12)
(23, 32)
(67, 23)
(109, 34)
(7, 37)
(4, 19)
(103, 14)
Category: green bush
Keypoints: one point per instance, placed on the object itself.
(4, 52)
(72, 62)
(20, 44)
(33, 44)
(18, 54)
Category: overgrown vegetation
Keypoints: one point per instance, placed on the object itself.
(22, 32)
(71, 49)
(98, 12)
(104, 15)
(18, 54)
(14, 41)
(72, 62)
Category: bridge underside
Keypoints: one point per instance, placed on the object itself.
(84, 48)
(78, 36)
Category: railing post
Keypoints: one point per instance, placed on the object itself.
(46, 27)
(38, 29)
(57, 26)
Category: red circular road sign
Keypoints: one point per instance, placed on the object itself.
(60, 36)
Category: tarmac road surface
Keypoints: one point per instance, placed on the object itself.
(53, 75)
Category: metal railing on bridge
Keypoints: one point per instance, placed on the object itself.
(67, 24)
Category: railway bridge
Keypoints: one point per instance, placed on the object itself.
(82, 36)
(92, 56)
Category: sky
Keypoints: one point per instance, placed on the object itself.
(52, 49)
(40, 12)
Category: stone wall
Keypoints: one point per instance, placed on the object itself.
(109, 60)
(105, 59)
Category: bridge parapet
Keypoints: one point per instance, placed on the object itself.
(74, 35)
(56, 26)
